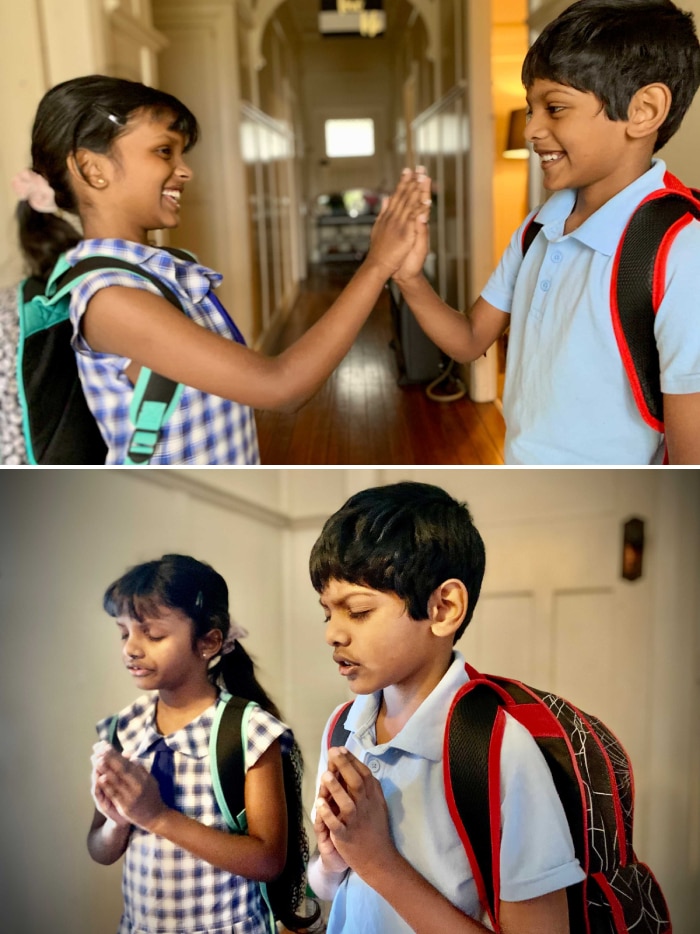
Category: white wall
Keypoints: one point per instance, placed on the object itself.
(67, 534)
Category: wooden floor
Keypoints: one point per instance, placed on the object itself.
(361, 415)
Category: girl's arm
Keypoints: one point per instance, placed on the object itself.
(145, 328)
(359, 827)
(259, 855)
(107, 839)
(109, 832)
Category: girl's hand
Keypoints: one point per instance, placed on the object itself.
(132, 790)
(353, 809)
(102, 802)
(395, 230)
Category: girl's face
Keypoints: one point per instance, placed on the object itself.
(158, 651)
(578, 145)
(144, 179)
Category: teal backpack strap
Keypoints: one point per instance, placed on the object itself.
(154, 400)
(227, 744)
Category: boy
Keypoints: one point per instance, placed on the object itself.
(399, 570)
(608, 83)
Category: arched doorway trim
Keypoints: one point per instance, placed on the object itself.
(265, 10)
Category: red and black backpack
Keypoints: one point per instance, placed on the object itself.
(637, 286)
(593, 777)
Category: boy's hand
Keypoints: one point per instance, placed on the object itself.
(395, 230)
(331, 859)
(129, 787)
(353, 809)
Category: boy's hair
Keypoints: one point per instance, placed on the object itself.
(193, 587)
(612, 48)
(405, 538)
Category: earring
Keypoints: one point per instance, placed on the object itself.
(100, 181)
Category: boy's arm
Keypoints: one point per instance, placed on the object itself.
(682, 422)
(361, 835)
(462, 337)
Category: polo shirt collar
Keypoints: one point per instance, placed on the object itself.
(424, 732)
(603, 230)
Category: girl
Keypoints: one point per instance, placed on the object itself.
(183, 870)
(112, 151)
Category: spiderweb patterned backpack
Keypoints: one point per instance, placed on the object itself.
(593, 778)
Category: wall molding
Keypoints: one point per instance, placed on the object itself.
(176, 481)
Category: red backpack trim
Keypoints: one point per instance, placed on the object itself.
(643, 271)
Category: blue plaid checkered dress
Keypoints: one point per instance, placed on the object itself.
(167, 890)
(204, 429)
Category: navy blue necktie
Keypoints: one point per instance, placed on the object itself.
(163, 770)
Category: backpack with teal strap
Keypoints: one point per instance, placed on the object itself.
(227, 744)
(57, 423)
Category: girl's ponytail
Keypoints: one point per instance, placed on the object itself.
(42, 239)
(237, 671)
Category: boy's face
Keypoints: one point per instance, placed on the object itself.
(578, 145)
(375, 643)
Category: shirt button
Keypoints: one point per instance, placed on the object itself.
(556, 257)
(544, 285)
(374, 765)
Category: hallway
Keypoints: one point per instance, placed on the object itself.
(361, 415)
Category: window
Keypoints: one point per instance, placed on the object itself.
(349, 138)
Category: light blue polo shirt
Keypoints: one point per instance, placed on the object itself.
(537, 854)
(566, 396)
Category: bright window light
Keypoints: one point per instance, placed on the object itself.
(349, 138)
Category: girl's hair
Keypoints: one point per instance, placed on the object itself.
(182, 583)
(89, 112)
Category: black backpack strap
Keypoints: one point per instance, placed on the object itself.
(532, 228)
(112, 735)
(227, 759)
(155, 394)
(466, 759)
(337, 734)
(632, 296)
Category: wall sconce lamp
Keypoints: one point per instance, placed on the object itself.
(632, 549)
(516, 147)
